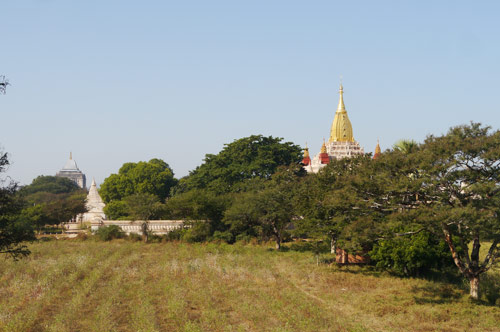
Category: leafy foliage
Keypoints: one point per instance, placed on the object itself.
(266, 212)
(341, 203)
(202, 209)
(51, 200)
(14, 230)
(244, 159)
(417, 255)
(50, 184)
(153, 177)
(108, 233)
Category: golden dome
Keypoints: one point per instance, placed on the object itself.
(341, 130)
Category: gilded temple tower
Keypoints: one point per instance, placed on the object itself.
(341, 143)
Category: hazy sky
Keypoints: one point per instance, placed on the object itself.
(119, 81)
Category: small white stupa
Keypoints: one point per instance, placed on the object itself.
(95, 206)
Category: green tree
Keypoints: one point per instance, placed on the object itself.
(50, 184)
(462, 195)
(415, 255)
(143, 207)
(153, 177)
(14, 229)
(51, 200)
(406, 146)
(244, 159)
(269, 210)
(203, 210)
(117, 210)
(341, 203)
(450, 187)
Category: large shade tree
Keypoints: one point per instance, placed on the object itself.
(269, 209)
(341, 203)
(153, 177)
(450, 186)
(51, 200)
(240, 162)
(460, 195)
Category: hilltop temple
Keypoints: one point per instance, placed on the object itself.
(71, 171)
(341, 143)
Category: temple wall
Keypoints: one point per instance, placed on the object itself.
(130, 226)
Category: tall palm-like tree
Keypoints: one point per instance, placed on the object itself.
(405, 145)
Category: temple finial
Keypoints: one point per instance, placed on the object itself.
(378, 151)
(70, 155)
(323, 147)
(341, 107)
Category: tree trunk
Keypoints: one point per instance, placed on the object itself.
(277, 237)
(333, 245)
(474, 287)
(144, 227)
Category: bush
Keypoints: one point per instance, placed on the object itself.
(108, 233)
(490, 284)
(175, 235)
(82, 236)
(134, 237)
(199, 232)
(417, 255)
(226, 237)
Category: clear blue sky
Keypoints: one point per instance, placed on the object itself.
(119, 81)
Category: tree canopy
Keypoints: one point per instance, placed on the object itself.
(50, 184)
(244, 159)
(51, 200)
(14, 230)
(153, 177)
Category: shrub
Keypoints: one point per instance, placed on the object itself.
(226, 237)
(417, 255)
(82, 236)
(134, 237)
(108, 233)
(199, 232)
(175, 235)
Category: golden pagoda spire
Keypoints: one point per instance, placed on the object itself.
(341, 130)
(323, 147)
(377, 148)
(378, 151)
(70, 155)
(341, 106)
(306, 151)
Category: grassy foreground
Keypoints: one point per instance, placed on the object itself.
(124, 286)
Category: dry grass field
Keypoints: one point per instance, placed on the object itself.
(73, 285)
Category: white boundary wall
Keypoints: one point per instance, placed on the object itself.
(134, 226)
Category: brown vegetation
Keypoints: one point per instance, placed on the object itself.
(74, 285)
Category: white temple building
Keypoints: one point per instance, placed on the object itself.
(95, 206)
(341, 143)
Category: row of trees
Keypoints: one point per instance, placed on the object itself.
(446, 190)
(417, 206)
